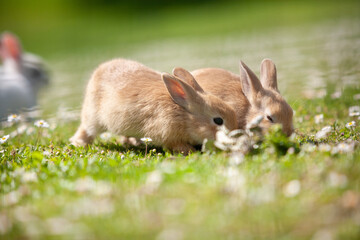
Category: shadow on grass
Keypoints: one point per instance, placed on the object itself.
(129, 148)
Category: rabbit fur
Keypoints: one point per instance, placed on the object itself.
(249, 96)
(130, 99)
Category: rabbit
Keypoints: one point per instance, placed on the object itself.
(130, 99)
(21, 75)
(249, 96)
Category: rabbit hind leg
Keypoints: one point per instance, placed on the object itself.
(86, 132)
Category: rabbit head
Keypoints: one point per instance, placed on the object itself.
(207, 112)
(264, 97)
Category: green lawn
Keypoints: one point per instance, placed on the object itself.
(50, 189)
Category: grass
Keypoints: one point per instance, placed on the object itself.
(297, 188)
(50, 189)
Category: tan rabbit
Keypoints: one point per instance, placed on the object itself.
(130, 99)
(249, 96)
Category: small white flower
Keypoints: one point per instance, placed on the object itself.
(29, 177)
(41, 124)
(153, 181)
(236, 181)
(319, 118)
(292, 188)
(4, 139)
(323, 234)
(307, 147)
(21, 129)
(46, 153)
(324, 148)
(323, 133)
(357, 96)
(30, 131)
(236, 158)
(105, 136)
(146, 139)
(344, 148)
(336, 95)
(13, 118)
(84, 185)
(351, 124)
(11, 198)
(154, 177)
(223, 141)
(354, 111)
(337, 180)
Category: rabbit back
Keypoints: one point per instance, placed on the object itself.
(130, 99)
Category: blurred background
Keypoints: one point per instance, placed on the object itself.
(313, 43)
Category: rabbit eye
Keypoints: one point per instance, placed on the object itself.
(218, 121)
(269, 118)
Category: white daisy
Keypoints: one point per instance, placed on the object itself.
(292, 188)
(4, 139)
(146, 139)
(106, 135)
(324, 148)
(319, 118)
(41, 124)
(13, 118)
(323, 133)
(354, 111)
(343, 148)
(336, 95)
(351, 124)
(357, 96)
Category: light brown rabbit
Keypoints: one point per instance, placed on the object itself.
(130, 99)
(249, 96)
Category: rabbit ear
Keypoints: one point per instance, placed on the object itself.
(249, 82)
(181, 92)
(10, 46)
(268, 74)
(187, 77)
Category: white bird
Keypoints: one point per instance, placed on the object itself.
(21, 76)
